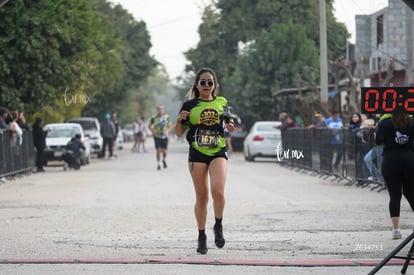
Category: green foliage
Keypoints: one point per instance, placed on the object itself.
(264, 68)
(87, 49)
(137, 64)
(155, 85)
(273, 56)
(42, 44)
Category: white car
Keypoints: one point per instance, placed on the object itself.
(128, 132)
(263, 140)
(92, 129)
(59, 135)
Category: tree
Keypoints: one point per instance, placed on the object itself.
(230, 25)
(43, 44)
(137, 66)
(52, 50)
(264, 68)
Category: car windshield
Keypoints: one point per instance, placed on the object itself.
(58, 132)
(267, 128)
(86, 124)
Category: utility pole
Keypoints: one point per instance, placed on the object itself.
(323, 56)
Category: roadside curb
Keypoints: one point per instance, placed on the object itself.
(280, 263)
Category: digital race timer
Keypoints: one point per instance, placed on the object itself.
(387, 100)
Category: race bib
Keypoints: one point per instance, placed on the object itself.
(207, 138)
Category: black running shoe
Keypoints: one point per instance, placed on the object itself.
(218, 234)
(158, 167)
(202, 245)
(164, 163)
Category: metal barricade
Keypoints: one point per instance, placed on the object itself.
(296, 148)
(16, 156)
(359, 142)
(333, 152)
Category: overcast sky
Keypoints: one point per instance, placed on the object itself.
(173, 24)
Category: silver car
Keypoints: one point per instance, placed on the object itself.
(263, 140)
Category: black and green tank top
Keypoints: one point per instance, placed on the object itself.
(205, 124)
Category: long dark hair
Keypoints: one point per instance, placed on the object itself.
(194, 92)
(400, 120)
(37, 123)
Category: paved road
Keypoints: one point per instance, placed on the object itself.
(123, 216)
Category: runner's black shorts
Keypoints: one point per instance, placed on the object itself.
(196, 156)
(161, 143)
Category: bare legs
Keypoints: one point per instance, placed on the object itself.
(161, 155)
(395, 222)
(200, 173)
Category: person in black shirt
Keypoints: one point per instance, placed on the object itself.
(39, 140)
(396, 133)
(72, 156)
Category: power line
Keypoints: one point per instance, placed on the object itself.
(169, 21)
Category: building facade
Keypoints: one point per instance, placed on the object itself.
(386, 38)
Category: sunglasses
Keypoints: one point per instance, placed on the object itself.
(204, 83)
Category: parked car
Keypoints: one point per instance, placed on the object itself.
(57, 138)
(262, 140)
(128, 132)
(92, 129)
(238, 135)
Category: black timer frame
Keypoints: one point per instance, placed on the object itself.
(390, 100)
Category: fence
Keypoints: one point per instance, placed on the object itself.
(331, 152)
(16, 156)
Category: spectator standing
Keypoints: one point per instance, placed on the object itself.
(335, 124)
(114, 119)
(373, 158)
(3, 118)
(136, 129)
(282, 117)
(108, 133)
(396, 133)
(317, 122)
(160, 127)
(21, 120)
(355, 122)
(290, 122)
(372, 161)
(16, 138)
(39, 140)
(142, 134)
(353, 148)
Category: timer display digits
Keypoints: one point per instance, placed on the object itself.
(387, 100)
